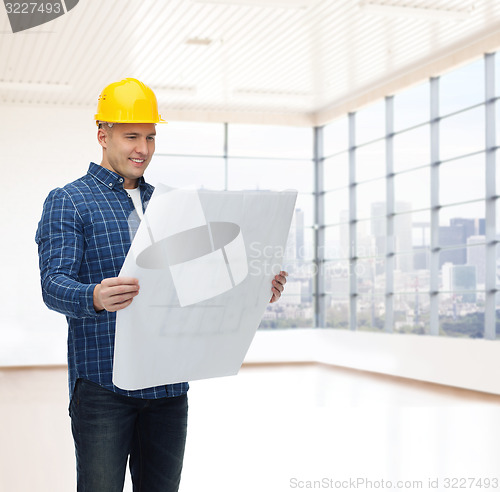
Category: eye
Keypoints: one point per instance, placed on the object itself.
(151, 138)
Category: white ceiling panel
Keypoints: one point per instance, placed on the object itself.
(234, 59)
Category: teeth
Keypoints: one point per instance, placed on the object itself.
(137, 160)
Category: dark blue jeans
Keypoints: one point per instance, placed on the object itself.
(108, 427)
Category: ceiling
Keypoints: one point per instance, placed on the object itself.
(287, 61)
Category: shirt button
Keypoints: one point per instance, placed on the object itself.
(121, 180)
(111, 185)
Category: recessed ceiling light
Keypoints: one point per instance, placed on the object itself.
(433, 13)
(283, 4)
(172, 90)
(199, 41)
(266, 93)
(34, 86)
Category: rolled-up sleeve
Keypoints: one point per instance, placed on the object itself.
(60, 239)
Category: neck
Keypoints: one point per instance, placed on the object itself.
(130, 184)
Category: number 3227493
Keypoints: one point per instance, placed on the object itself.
(34, 7)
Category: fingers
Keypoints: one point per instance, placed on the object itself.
(278, 285)
(280, 281)
(115, 293)
(276, 295)
(281, 278)
(114, 281)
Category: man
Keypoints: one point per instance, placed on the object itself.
(83, 238)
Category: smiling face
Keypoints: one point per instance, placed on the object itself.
(127, 149)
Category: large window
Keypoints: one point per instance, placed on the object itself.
(279, 158)
(396, 223)
(250, 157)
(416, 223)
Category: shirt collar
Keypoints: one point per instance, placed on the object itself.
(109, 178)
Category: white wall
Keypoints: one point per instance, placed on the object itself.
(42, 148)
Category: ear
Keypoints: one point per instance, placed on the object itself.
(102, 137)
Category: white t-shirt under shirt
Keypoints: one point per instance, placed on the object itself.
(135, 194)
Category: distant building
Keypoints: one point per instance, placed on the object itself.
(459, 281)
(403, 236)
(469, 225)
(291, 243)
(306, 291)
(402, 239)
(339, 287)
(476, 256)
(421, 258)
(293, 293)
(378, 227)
(299, 234)
(457, 234)
(481, 227)
(344, 243)
(421, 232)
(452, 236)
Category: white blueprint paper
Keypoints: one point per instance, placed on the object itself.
(205, 261)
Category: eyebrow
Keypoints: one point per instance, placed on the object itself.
(137, 134)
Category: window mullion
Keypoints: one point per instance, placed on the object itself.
(434, 175)
(319, 231)
(353, 284)
(490, 212)
(390, 209)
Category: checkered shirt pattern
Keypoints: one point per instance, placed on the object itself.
(83, 236)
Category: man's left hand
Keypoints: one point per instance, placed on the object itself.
(278, 282)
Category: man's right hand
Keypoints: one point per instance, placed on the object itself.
(115, 293)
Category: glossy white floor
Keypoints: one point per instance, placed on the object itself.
(281, 428)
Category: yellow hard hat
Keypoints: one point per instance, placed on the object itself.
(128, 101)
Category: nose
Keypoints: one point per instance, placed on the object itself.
(142, 146)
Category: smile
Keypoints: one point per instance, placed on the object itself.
(138, 161)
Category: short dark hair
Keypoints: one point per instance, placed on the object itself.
(105, 124)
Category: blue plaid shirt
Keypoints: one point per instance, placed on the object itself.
(83, 237)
